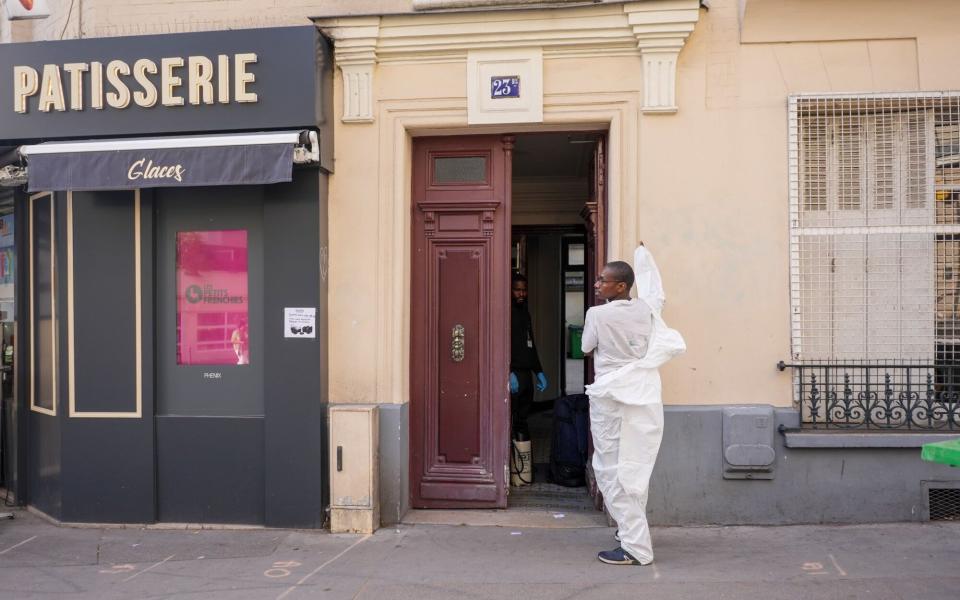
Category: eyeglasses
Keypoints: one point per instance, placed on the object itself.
(602, 280)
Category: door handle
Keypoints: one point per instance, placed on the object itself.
(456, 343)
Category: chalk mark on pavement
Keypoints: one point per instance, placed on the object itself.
(318, 569)
(18, 545)
(154, 565)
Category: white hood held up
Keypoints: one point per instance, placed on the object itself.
(638, 382)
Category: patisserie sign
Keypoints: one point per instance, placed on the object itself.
(171, 81)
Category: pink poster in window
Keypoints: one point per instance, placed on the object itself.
(212, 298)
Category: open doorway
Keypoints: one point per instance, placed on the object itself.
(555, 192)
(467, 206)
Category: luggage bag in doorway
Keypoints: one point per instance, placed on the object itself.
(568, 448)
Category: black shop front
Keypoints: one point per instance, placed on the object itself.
(169, 329)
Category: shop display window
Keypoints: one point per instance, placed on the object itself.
(212, 298)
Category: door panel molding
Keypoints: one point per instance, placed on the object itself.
(137, 412)
(471, 458)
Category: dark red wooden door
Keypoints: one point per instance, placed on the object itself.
(459, 355)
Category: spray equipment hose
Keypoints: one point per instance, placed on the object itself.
(517, 464)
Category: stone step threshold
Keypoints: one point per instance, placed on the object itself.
(512, 517)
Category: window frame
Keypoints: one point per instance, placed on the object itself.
(868, 218)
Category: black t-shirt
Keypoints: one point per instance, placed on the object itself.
(523, 350)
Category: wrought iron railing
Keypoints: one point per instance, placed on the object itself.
(877, 395)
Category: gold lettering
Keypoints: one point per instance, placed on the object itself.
(25, 83)
(133, 173)
(170, 82)
(76, 71)
(223, 79)
(226, 79)
(96, 85)
(148, 96)
(120, 98)
(241, 77)
(201, 79)
(51, 89)
(145, 169)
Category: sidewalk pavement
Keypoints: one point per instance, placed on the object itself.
(911, 561)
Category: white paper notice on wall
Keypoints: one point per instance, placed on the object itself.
(299, 322)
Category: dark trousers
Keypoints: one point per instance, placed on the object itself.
(521, 403)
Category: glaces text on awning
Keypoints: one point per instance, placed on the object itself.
(232, 159)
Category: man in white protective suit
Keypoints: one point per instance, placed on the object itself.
(629, 341)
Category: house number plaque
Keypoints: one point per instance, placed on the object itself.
(505, 86)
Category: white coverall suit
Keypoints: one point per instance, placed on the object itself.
(630, 341)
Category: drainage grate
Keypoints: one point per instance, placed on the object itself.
(944, 504)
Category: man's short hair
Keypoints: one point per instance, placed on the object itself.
(517, 277)
(621, 271)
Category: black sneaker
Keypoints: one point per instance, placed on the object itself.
(617, 557)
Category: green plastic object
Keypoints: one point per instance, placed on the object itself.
(947, 453)
(576, 334)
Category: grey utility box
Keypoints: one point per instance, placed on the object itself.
(748, 451)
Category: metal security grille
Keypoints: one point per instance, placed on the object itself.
(944, 504)
(875, 243)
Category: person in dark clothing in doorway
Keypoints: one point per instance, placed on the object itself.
(524, 361)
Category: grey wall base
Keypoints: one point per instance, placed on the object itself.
(394, 462)
(810, 485)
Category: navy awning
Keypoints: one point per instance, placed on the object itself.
(233, 159)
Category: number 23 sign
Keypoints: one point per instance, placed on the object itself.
(506, 86)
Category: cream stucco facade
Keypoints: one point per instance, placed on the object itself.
(706, 187)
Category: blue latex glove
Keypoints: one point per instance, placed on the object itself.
(541, 382)
(514, 383)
